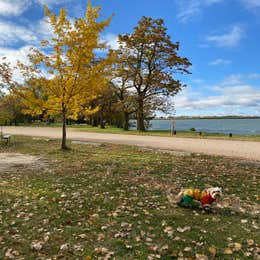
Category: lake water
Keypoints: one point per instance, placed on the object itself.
(235, 126)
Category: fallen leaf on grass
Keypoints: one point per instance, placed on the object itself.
(152, 257)
(36, 245)
(181, 230)
(235, 246)
(100, 237)
(64, 247)
(101, 250)
(169, 231)
(250, 242)
(153, 248)
(138, 239)
(228, 251)
(212, 250)
(148, 239)
(94, 216)
(82, 235)
(201, 257)
(172, 198)
(9, 254)
(164, 248)
(108, 255)
(103, 227)
(128, 246)
(46, 238)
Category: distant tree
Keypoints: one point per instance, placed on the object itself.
(150, 61)
(6, 76)
(106, 102)
(64, 79)
(126, 104)
(11, 107)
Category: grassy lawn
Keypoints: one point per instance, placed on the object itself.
(119, 202)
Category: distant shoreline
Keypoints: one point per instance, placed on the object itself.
(206, 117)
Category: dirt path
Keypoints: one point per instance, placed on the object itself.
(240, 149)
(8, 160)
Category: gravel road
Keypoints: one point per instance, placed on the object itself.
(238, 149)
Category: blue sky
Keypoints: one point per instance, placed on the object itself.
(220, 37)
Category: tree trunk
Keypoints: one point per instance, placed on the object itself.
(119, 124)
(140, 115)
(63, 144)
(102, 122)
(94, 122)
(126, 121)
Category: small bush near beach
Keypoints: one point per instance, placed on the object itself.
(119, 202)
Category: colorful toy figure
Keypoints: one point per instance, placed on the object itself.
(205, 197)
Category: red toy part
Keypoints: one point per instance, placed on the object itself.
(207, 199)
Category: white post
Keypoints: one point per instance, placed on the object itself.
(172, 127)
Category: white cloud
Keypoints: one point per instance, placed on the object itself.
(30, 37)
(12, 55)
(238, 79)
(198, 81)
(254, 76)
(43, 30)
(17, 7)
(187, 9)
(12, 33)
(218, 62)
(233, 79)
(52, 2)
(111, 40)
(229, 39)
(227, 100)
(13, 7)
(251, 3)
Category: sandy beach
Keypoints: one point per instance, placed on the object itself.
(238, 149)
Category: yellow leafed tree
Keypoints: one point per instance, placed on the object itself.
(64, 78)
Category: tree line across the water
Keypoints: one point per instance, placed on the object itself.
(75, 76)
(206, 117)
